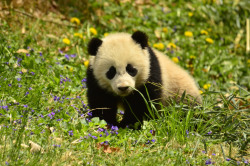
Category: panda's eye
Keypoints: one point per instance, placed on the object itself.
(131, 70)
(111, 73)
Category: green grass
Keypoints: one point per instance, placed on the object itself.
(43, 93)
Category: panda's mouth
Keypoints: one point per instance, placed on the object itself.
(123, 91)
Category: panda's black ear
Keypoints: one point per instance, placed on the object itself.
(140, 38)
(93, 46)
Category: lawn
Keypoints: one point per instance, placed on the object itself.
(44, 114)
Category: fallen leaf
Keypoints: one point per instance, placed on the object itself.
(77, 141)
(34, 147)
(22, 51)
(107, 148)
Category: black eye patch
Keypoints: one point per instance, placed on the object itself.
(111, 73)
(131, 70)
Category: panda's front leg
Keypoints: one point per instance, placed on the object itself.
(135, 109)
(104, 107)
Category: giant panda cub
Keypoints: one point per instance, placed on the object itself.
(124, 71)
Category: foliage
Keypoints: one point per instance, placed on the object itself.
(44, 117)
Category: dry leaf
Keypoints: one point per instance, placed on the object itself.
(52, 36)
(58, 140)
(77, 141)
(34, 147)
(24, 146)
(22, 51)
(107, 148)
(158, 33)
(23, 30)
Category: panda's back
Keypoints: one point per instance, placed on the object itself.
(175, 80)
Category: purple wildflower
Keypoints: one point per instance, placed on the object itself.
(121, 112)
(27, 93)
(5, 107)
(100, 129)
(228, 159)
(71, 133)
(40, 53)
(153, 140)
(84, 80)
(210, 132)
(67, 56)
(213, 154)
(204, 151)
(27, 54)
(32, 73)
(25, 106)
(73, 55)
(94, 137)
(208, 162)
(60, 51)
(246, 161)
(114, 128)
(89, 114)
(49, 115)
(18, 79)
(9, 85)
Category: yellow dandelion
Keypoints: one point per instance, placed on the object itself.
(204, 32)
(24, 70)
(105, 34)
(159, 46)
(78, 35)
(209, 40)
(248, 62)
(86, 63)
(206, 86)
(171, 45)
(175, 59)
(201, 91)
(192, 57)
(188, 34)
(71, 69)
(93, 31)
(66, 41)
(190, 14)
(190, 65)
(75, 20)
(165, 29)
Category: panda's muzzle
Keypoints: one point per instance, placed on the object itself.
(123, 88)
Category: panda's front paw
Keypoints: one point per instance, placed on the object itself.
(135, 126)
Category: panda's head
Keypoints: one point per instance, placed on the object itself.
(121, 62)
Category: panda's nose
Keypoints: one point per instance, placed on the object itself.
(123, 88)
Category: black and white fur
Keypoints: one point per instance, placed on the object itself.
(122, 63)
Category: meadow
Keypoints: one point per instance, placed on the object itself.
(44, 114)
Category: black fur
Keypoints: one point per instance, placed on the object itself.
(140, 38)
(101, 103)
(93, 46)
(104, 104)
